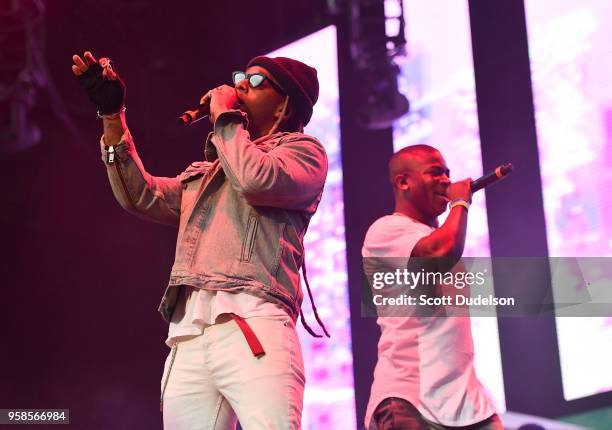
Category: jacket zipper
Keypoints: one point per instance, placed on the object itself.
(110, 158)
(249, 240)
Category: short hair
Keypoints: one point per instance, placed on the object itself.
(407, 152)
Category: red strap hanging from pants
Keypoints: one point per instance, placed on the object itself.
(249, 334)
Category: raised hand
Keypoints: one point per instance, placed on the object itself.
(102, 84)
(222, 98)
(460, 190)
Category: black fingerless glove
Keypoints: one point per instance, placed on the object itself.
(107, 95)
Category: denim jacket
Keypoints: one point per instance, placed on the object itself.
(241, 214)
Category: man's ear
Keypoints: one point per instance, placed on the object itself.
(402, 182)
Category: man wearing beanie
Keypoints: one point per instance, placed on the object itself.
(234, 293)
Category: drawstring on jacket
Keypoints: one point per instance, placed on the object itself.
(314, 308)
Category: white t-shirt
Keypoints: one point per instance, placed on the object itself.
(426, 361)
(196, 308)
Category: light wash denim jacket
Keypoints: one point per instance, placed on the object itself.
(241, 215)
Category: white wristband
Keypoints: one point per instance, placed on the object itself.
(460, 202)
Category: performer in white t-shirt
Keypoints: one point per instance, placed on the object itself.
(424, 377)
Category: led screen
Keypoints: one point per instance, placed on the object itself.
(571, 65)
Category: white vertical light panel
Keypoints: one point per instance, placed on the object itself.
(571, 65)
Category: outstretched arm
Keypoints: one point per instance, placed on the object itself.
(150, 197)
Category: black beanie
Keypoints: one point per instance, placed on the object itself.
(296, 78)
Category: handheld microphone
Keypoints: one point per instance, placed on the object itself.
(194, 115)
(497, 175)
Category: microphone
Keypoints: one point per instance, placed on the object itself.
(192, 116)
(497, 175)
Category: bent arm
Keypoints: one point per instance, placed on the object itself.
(290, 176)
(446, 243)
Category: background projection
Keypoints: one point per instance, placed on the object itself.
(571, 65)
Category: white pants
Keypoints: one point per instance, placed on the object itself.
(212, 380)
